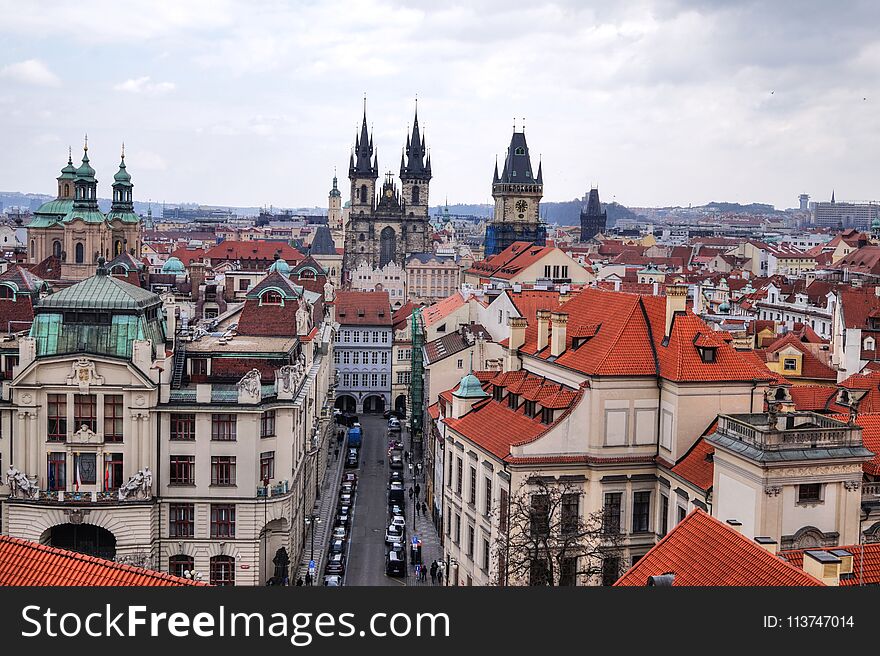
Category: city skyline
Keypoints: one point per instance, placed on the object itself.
(663, 103)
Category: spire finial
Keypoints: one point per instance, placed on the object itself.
(123, 152)
(524, 124)
(70, 155)
(86, 143)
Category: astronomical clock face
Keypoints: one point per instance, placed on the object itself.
(388, 193)
(521, 207)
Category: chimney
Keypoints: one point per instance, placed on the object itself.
(662, 580)
(767, 543)
(823, 565)
(517, 327)
(735, 524)
(846, 561)
(676, 301)
(543, 329)
(557, 336)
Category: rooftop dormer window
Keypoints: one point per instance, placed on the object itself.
(707, 353)
(497, 392)
(513, 401)
(271, 298)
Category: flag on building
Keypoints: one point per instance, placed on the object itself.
(78, 478)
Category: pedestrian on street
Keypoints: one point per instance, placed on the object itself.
(411, 493)
(434, 572)
(418, 489)
(406, 455)
(410, 469)
(424, 509)
(308, 578)
(423, 574)
(336, 453)
(299, 580)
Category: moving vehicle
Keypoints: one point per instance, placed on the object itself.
(354, 436)
(335, 564)
(395, 563)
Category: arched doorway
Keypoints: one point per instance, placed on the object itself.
(346, 403)
(273, 537)
(82, 538)
(387, 245)
(400, 405)
(374, 404)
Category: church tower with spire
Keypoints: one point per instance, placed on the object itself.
(517, 192)
(363, 170)
(334, 206)
(415, 171)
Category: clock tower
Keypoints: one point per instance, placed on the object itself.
(517, 193)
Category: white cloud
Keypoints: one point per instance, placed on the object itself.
(144, 85)
(31, 71)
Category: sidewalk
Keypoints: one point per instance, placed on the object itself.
(324, 508)
(423, 528)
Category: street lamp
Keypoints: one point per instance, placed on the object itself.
(311, 520)
(265, 527)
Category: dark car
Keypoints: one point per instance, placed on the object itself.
(395, 477)
(395, 492)
(347, 488)
(396, 462)
(343, 510)
(343, 518)
(351, 460)
(335, 564)
(395, 563)
(347, 419)
(345, 499)
(337, 546)
(350, 477)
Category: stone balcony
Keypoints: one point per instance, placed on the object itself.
(765, 437)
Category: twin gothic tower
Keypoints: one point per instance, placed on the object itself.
(388, 224)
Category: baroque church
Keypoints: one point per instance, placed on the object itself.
(391, 223)
(72, 228)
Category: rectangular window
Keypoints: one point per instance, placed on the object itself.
(529, 408)
(460, 364)
(488, 506)
(375, 337)
(610, 570)
(356, 357)
(641, 511)
(470, 542)
(512, 400)
(346, 380)
(181, 520)
(223, 427)
(112, 471)
(267, 465)
(539, 573)
(335, 357)
(459, 476)
(85, 467)
(85, 411)
(664, 514)
(267, 424)
(222, 520)
(56, 414)
(384, 357)
(473, 488)
(565, 271)
(57, 471)
(383, 380)
(374, 380)
(570, 513)
(223, 470)
(810, 493)
(539, 515)
(790, 364)
(502, 510)
(356, 337)
(346, 357)
(10, 362)
(611, 511)
(450, 473)
(568, 571)
(546, 270)
(682, 513)
(183, 426)
(375, 357)
(457, 528)
(384, 338)
(113, 417)
(243, 284)
(199, 366)
(182, 470)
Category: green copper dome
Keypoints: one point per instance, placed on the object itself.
(173, 265)
(85, 172)
(875, 224)
(724, 307)
(281, 266)
(470, 388)
(69, 171)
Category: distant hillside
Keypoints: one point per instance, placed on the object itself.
(563, 213)
(737, 208)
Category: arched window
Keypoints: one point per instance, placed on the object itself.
(387, 245)
(520, 151)
(271, 297)
(79, 253)
(7, 292)
(869, 344)
(361, 237)
(363, 193)
(117, 247)
(415, 195)
(222, 570)
(179, 564)
(56, 248)
(66, 189)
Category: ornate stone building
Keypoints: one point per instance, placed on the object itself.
(392, 225)
(73, 229)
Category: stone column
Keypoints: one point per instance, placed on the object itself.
(33, 445)
(145, 440)
(21, 444)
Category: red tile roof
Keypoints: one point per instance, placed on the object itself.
(258, 249)
(697, 466)
(189, 255)
(363, 308)
(865, 572)
(442, 309)
(701, 551)
(811, 366)
(812, 397)
(509, 262)
(870, 423)
(528, 302)
(857, 305)
(25, 563)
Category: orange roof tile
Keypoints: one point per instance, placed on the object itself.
(25, 563)
(701, 551)
(442, 309)
(697, 465)
(870, 423)
(812, 397)
(866, 562)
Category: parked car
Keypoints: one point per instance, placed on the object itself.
(350, 477)
(394, 424)
(345, 498)
(333, 580)
(395, 564)
(339, 533)
(337, 546)
(395, 477)
(343, 518)
(399, 521)
(395, 492)
(347, 488)
(335, 564)
(393, 534)
(351, 460)
(343, 510)
(396, 462)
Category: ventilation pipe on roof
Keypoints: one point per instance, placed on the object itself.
(676, 301)
(767, 543)
(517, 327)
(666, 580)
(823, 565)
(543, 329)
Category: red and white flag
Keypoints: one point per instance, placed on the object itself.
(78, 479)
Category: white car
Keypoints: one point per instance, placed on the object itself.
(393, 535)
(399, 522)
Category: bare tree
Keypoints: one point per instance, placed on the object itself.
(544, 537)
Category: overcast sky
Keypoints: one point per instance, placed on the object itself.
(247, 103)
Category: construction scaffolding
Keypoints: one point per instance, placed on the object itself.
(501, 235)
(417, 380)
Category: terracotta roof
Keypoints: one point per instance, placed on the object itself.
(811, 366)
(442, 309)
(259, 249)
(697, 465)
(363, 308)
(510, 261)
(189, 255)
(865, 572)
(812, 397)
(702, 551)
(24, 563)
(865, 260)
(870, 423)
(857, 304)
(402, 315)
(528, 302)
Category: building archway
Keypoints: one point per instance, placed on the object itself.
(346, 403)
(400, 404)
(87, 539)
(374, 403)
